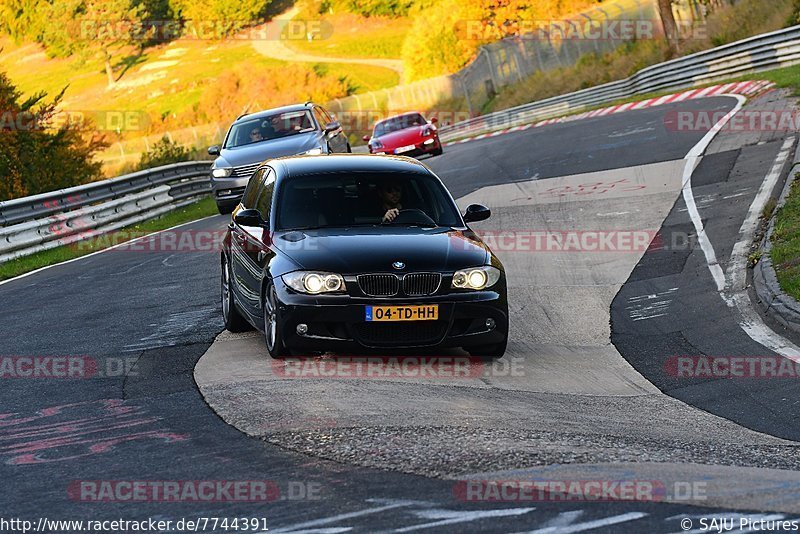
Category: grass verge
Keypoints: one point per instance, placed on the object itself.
(785, 253)
(197, 210)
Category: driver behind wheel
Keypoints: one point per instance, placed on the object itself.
(390, 195)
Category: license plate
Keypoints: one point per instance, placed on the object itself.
(402, 149)
(402, 313)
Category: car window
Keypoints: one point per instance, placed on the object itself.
(268, 127)
(251, 192)
(328, 116)
(400, 122)
(321, 118)
(264, 202)
(342, 200)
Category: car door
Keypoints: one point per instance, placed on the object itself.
(337, 140)
(258, 250)
(240, 263)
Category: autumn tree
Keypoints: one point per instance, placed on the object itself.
(106, 29)
(109, 29)
(669, 24)
(36, 154)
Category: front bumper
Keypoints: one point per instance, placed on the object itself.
(228, 191)
(420, 149)
(337, 323)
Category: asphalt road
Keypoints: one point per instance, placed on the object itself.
(159, 312)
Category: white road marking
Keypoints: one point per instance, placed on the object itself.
(613, 214)
(735, 289)
(167, 332)
(564, 519)
(646, 307)
(453, 517)
(692, 160)
(589, 525)
(391, 505)
(331, 530)
(635, 131)
(731, 286)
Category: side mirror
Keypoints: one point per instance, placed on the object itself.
(434, 120)
(249, 218)
(365, 138)
(476, 212)
(332, 126)
(213, 150)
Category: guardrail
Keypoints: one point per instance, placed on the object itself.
(40, 222)
(763, 52)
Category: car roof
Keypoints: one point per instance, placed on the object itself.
(356, 163)
(273, 111)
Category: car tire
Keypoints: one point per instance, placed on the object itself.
(349, 149)
(234, 321)
(272, 333)
(225, 209)
(488, 352)
(438, 152)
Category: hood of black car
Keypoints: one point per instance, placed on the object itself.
(368, 250)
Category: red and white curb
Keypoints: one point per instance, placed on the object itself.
(749, 88)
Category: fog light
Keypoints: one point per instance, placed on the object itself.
(490, 324)
(302, 329)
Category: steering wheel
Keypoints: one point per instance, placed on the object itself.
(412, 216)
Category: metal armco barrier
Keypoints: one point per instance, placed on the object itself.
(40, 222)
(763, 52)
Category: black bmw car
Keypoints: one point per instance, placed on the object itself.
(353, 252)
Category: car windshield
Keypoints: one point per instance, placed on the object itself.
(398, 123)
(269, 127)
(344, 199)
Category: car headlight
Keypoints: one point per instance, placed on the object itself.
(314, 283)
(313, 152)
(476, 278)
(376, 144)
(222, 172)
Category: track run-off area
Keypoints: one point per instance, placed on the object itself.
(586, 391)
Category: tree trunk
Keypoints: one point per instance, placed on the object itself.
(109, 71)
(669, 24)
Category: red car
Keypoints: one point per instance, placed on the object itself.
(407, 135)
